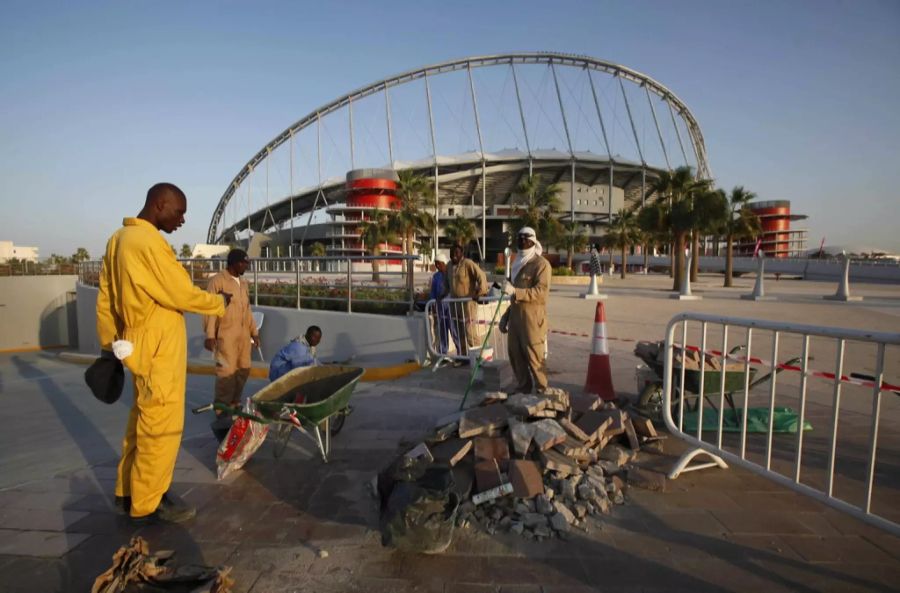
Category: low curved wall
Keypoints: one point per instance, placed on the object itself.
(360, 337)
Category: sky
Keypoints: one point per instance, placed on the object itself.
(796, 99)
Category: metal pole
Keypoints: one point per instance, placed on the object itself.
(349, 286)
(562, 112)
(352, 152)
(249, 230)
(437, 198)
(297, 268)
(387, 108)
(521, 114)
(291, 249)
(658, 131)
(631, 120)
(609, 198)
(483, 246)
(876, 414)
(836, 410)
(677, 131)
(562, 109)
(255, 282)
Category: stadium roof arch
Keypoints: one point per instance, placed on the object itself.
(615, 127)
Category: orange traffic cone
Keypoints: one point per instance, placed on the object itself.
(599, 375)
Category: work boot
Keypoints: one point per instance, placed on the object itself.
(123, 504)
(171, 509)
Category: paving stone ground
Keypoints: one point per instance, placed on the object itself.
(711, 530)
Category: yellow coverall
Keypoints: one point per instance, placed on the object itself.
(527, 323)
(143, 293)
(465, 280)
(232, 334)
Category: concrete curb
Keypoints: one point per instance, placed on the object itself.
(387, 373)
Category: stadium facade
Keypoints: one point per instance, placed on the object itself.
(476, 127)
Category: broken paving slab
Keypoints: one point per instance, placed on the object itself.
(526, 478)
(486, 398)
(524, 404)
(556, 461)
(451, 451)
(521, 433)
(571, 428)
(644, 426)
(548, 433)
(483, 420)
(488, 475)
(574, 448)
(581, 403)
(492, 448)
(630, 432)
(617, 454)
(594, 424)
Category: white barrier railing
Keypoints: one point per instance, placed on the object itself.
(457, 325)
(832, 469)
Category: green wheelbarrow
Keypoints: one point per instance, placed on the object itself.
(311, 400)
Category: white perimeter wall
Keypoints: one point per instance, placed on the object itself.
(375, 339)
(37, 311)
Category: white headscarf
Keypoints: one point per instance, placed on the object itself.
(525, 255)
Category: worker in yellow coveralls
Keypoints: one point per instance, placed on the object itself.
(231, 336)
(143, 295)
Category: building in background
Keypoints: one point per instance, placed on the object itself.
(9, 251)
(779, 239)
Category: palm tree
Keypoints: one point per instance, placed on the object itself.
(623, 232)
(653, 220)
(572, 238)
(534, 204)
(81, 254)
(710, 208)
(411, 217)
(460, 231)
(678, 188)
(318, 249)
(185, 250)
(741, 223)
(374, 233)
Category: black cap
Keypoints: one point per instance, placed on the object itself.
(106, 377)
(237, 255)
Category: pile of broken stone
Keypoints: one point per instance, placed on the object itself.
(541, 465)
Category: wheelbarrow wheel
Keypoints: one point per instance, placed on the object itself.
(336, 423)
(282, 436)
(650, 401)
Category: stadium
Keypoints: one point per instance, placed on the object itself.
(475, 127)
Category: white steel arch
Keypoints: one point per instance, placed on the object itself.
(675, 106)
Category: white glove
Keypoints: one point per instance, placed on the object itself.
(122, 349)
(509, 289)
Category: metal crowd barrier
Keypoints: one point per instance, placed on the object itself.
(464, 333)
(831, 471)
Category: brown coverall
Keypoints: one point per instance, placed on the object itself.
(232, 334)
(527, 323)
(466, 280)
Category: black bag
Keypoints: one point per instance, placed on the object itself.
(106, 377)
(420, 516)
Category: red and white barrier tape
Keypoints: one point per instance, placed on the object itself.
(796, 368)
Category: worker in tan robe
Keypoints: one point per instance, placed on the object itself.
(526, 318)
(144, 293)
(465, 280)
(231, 336)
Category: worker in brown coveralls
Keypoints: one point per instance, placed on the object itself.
(465, 280)
(230, 337)
(526, 318)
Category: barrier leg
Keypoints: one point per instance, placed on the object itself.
(683, 463)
